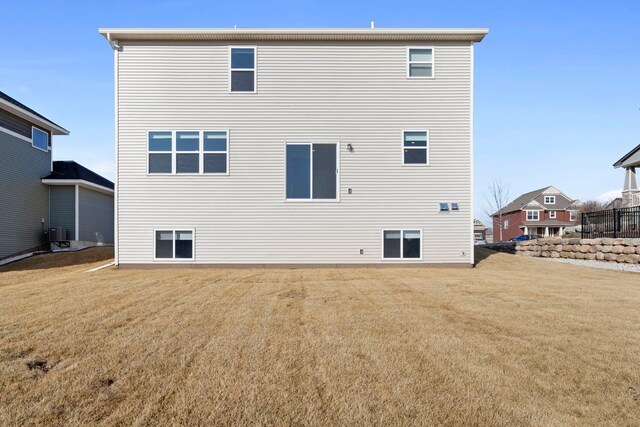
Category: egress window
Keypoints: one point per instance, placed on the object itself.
(311, 171)
(39, 139)
(188, 152)
(174, 244)
(415, 146)
(402, 244)
(420, 62)
(242, 69)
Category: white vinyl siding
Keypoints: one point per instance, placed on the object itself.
(319, 92)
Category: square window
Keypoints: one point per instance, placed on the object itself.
(420, 62)
(455, 207)
(187, 163)
(444, 207)
(39, 139)
(549, 200)
(159, 163)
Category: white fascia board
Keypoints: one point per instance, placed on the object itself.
(79, 182)
(45, 124)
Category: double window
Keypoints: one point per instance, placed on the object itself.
(402, 244)
(188, 152)
(549, 200)
(533, 215)
(420, 62)
(311, 171)
(174, 244)
(415, 146)
(39, 139)
(242, 69)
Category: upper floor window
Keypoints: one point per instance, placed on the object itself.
(552, 214)
(506, 224)
(311, 171)
(188, 152)
(39, 139)
(549, 200)
(573, 215)
(242, 69)
(416, 147)
(533, 215)
(420, 62)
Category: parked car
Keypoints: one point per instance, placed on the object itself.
(480, 242)
(522, 238)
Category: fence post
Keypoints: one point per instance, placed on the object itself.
(582, 228)
(616, 222)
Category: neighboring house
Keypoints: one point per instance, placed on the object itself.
(542, 213)
(82, 202)
(630, 191)
(479, 230)
(294, 146)
(616, 203)
(25, 158)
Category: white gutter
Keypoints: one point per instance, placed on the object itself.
(79, 182)
(27, 115)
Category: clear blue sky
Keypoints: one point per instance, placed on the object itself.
(557, 82)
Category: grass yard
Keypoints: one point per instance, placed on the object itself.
(512, 342)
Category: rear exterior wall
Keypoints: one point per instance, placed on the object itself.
(345, 93)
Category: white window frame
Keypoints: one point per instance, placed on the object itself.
(173, 259)
(537, 215)
(254, 69)
(33, 129)
(432, 63)
(573, 215)
(200, 153)
(550, 202)
(402, 230)
(311, 199)
(553, 214)
(416, 148)
(506, 224)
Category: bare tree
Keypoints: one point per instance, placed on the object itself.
(496, 199)
(592, 206)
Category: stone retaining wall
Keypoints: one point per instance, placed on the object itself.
(614, 250)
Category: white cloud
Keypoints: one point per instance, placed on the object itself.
(609, 196)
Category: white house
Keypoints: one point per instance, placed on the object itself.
(294, 146)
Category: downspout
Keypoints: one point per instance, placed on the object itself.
(116, 240)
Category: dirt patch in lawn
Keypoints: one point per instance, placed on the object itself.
(514, 341)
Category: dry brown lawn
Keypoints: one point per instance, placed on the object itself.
(512, 342)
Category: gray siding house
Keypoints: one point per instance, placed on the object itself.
(82, 202)
(294, 146)
(25, 157)
(31, 197)
(630, 191)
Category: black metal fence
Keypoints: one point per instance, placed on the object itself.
(623, 222)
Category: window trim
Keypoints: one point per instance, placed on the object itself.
(433, 62)
(311, 199)
(402, 258)
(505, 224)
(173, 259)
(573, 215)
(200, 152)
(550, 198)
(416, 148)
(254, 69)
(554, 216)
(33, 128)
(533, 210)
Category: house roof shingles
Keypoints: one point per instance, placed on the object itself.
(64, 169)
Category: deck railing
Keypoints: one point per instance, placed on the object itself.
(623, 222)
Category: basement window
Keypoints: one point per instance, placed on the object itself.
(444, 207)
(39, 139)
(173, 244)
(402, 244)
(242, 69)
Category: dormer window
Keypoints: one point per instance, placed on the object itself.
(549, 200)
